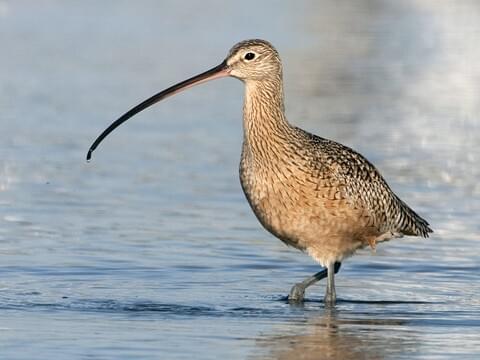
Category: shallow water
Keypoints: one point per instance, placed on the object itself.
(151, 250)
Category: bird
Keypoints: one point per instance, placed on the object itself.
(314, 194)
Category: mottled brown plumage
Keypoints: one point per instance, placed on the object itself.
(314, 194)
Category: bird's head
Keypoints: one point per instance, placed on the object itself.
(255, 60)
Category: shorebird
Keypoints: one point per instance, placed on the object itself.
(314, 194)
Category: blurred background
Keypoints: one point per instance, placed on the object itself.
(152, 249)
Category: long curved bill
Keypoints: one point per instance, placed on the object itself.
(218, 71)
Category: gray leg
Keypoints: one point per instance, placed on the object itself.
(330, 295)
(297, 293)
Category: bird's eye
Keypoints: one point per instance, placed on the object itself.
(249, 56)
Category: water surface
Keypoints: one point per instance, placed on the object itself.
(151, 250)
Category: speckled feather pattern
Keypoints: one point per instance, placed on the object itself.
(314, 194)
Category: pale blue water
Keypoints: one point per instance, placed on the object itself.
(151, 250)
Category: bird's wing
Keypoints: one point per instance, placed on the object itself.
(364, 188)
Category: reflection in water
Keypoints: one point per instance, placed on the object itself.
(332, 336)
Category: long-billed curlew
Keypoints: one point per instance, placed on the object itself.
(314, 194)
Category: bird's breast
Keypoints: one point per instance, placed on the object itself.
(281, 196)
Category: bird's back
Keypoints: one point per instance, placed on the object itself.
(363, 186)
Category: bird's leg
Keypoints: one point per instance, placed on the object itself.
(330, 295)
(297, 293)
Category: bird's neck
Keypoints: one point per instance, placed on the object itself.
(264, 121)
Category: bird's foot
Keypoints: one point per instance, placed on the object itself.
(330, 299)
(297, 293)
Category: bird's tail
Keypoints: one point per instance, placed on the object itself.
(410, 223)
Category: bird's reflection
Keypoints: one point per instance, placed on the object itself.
(331, 335)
